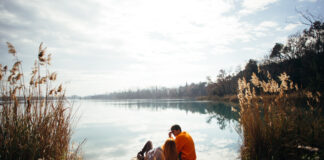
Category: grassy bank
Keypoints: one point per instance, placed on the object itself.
(33, 124)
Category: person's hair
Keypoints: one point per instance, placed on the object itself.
(170, 150)
(176, 127)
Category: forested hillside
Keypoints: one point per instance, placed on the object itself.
(302, 58)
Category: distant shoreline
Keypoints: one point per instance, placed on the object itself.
(227, 98)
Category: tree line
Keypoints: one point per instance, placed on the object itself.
(192, 90)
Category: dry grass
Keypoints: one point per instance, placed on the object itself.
(279, 120)
(35, 122)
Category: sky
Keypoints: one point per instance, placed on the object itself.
(102, 46)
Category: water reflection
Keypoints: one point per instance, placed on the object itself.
(219, 111)
(119, 129)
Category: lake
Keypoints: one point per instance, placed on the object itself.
(118, 129)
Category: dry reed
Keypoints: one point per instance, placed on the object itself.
(279, 120)
(35, 119)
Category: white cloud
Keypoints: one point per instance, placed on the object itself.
(168, 42)
(291, 26)
(307, 0)
(266, 25)
(11, 18)
(263, 29)
(251, 6)
(136, 43)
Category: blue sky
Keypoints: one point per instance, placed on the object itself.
(101, 46)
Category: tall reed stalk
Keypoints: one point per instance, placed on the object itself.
(35, 118)
(279, 120)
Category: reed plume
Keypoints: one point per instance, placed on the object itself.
(279, 120)
(35, 118)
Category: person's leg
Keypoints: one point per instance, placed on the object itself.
(148, 146)
(180, 156)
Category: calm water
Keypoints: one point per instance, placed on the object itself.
(118, 129)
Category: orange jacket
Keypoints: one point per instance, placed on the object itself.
(186, 146)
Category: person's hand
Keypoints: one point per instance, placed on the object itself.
(140, 156)
(170, 134)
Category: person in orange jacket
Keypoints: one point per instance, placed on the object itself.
(184, 143)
